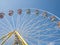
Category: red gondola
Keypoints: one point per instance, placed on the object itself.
(2, 15)
(19, 11)
(10, 12)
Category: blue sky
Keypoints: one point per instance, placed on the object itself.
(52, 6)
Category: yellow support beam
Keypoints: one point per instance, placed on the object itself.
(20, 38)
(8, 36)
(20, 42)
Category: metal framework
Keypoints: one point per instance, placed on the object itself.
(18, 39)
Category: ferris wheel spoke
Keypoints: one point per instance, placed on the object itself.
(38, 26)
(46, 24)
(22, 19)
(2, 23)
(39, 40)
(31, 21)
(48, 35)
(32, 39)
(29, 42)
(35, 39)
(57, 40)
(33, 34)
(48, 29)
(53, 37)
(43, 25)
(8, 22)
(5, 28)
(25, 18)
(57, 30)
(43, 31)
(30, 27)
(19, 24)
(22, 24)
(35, 23)
(38, 31)
(17, 21)
(13, 25)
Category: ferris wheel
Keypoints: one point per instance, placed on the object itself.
(36, 26)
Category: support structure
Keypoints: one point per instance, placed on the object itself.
(18, 39)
